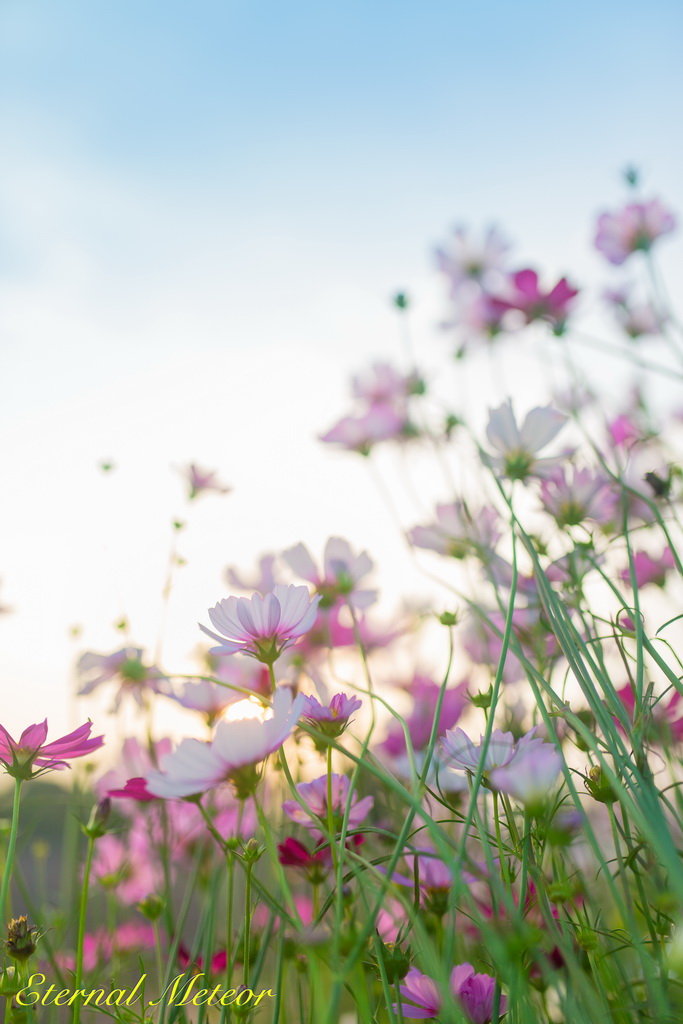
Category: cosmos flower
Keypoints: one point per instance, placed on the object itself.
(382, 421)
(331, 718)
(201, 481)
(633, 228)
(337, 581)
(524, 294)
(517, 447)
(237, 747)
(571, 495)
(30, 755)
(457, 531)
(474, 992)
(471, 258)
(530, 774)
(126, 668)
(262, 627)
(314, 795)
(382, 383)
(648, 569)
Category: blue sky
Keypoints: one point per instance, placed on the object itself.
(204, 208)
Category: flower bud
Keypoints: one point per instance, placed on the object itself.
(21, 939)
(152, 907)
(99, 816)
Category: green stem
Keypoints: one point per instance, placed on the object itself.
(11, 847)
(81, 925)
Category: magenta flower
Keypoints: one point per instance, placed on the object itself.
(30, 755)
(524, 294)
(331, 718)
(474, 992)
(633, 228)
(314, 794)
(517, 447)
(203, 481)
(664, 720)
(237, 747)
(648, 569)
(457, 532)
(337, 581)
(262, 627)
(125, 667)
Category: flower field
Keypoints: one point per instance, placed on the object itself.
(468, 813)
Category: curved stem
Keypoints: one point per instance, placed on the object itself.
(11, 847)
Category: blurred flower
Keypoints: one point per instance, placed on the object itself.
(530, 774)
(135, 760)
(647, 569)
(518, 447)
(237, 746)
(262, 627)
(338, 580)
(382, 383)
(471, 258)
(30, 755)
(315, 796)
(460, 754)
(381, 422)
(457, 531)
(524, 294)
(419, 722)
(633, 228)
(212, 698)
(125, 667)
(263, 582)
(315, 863)
(636, 319)
(128, 865)
(662, 721)
(571, 495)
(201, 481)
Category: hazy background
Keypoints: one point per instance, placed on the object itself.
(204, 211)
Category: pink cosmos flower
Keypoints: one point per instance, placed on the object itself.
(128, 866)
(530, 774)
(460, 754)
(314, 794)
(633, 228)
(477, 317)
(648, 569)
(262, 627)
(203, 481)
(30, 755)
(212, 698)
(457, 532)
(636, 319)
(382, 383)
(517, 447)
(337, 581)
(331, 718)
(381, 422)
(125, 667)
(524, 294)
(571, 495)
(238, 745)
(666, 721)
(623, 430)
(471, 258)
(474, 992)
